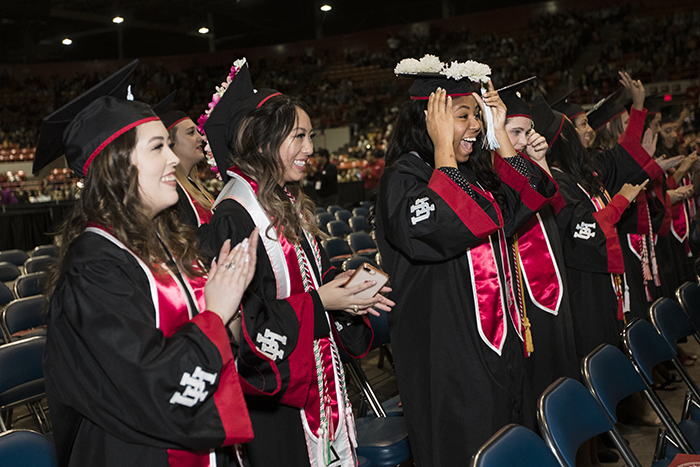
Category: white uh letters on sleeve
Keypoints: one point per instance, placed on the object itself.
(421, 210)
(270, 344)
(195, 385)
(585, 231)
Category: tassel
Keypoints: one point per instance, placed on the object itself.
(350, 426)
(321, 448)
(529, 346)
(490, 141)
(654, 264)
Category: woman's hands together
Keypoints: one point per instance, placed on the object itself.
(335, 296)
(229, 276)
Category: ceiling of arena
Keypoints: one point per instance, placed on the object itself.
(32, 30)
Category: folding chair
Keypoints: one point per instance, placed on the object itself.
(338, 229)
(342, 215)
(611, 376)
(24, 316)
(9, 271)
(514, 446)
(362, 244)
(38, 263)
(6, 295)
(322, 220)
(569, 415)
(358, 224)
(25, 448)
(30, 284)
(338, 250)
(22, 384)
(647, 348)
(360, 212)
(688, 295)
(321, 210)
(333, 208)
(45, 250)
(672, 323)
(16, 257)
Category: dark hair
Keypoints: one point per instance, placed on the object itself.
(568, 154)
(111, 198)
(411, 134)
(260, 135)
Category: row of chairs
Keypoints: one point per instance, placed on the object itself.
(23, 275)
(569, 413)
(358, 246)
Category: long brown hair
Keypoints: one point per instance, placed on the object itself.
(111, 198)
(260, 135)
(186, 179)
(607, 138)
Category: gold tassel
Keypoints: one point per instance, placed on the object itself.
(529, 345)
(528, 335)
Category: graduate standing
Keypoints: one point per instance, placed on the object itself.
(138, 363)
(296, 312)
(444, 211)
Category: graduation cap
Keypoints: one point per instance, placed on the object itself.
(516, 106)
(221, 127)
(84, 126)
(426, 83)
(169, 117)
(669, 115)
(570, 109)
(548, 122)
(604, 111)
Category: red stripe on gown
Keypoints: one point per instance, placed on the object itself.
(487, 290)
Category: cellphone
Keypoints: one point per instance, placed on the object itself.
(367, 272)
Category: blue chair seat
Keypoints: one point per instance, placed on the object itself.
(24, 448)
(363, 462)
(691, 430)
(383, 440)
(514, 446)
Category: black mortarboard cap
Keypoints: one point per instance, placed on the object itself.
(426, 83)
(548, 122)
(570, 109)
(604, 111)
(669, 115)
(510, 95)
(169, 117)
(221, 127)
(51, 143)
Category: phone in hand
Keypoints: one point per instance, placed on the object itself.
(367, 272)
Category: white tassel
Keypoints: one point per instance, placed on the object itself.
(627, 294)
(490, 141)
(350, 425)
(321, 451)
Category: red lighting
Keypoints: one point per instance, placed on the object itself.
(667, 98)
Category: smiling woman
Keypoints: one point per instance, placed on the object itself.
(138, 359)
(444, 210)
(297, 309)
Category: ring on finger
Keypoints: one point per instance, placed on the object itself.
(230, 266)
(355, 308)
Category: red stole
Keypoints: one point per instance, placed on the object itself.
(540, 271)
(491, 297)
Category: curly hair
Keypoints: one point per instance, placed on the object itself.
(411, 134)
(111, 198)
(257, 153)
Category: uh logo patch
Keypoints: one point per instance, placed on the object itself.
(421, 210)
(585, 230)
(195, 387)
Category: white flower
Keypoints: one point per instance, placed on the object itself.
(407, 65)
(475, 71)
(239, 63)
(431, 64)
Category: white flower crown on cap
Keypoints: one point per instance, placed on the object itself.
(475, 71)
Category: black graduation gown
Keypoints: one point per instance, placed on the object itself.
(628, 162)
(456, 391)
(110, 373)
(554, 353)
(188, 207)
(275, 391)
(591, 252)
